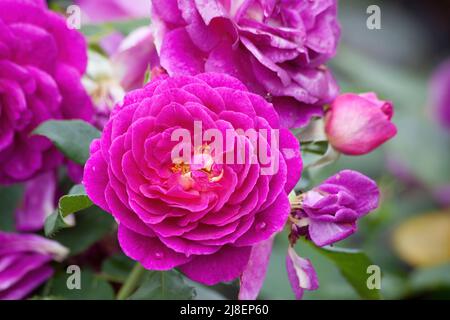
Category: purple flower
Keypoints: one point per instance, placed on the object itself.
(440, 94)
(301, 273)
(199, 211)
(133, 55)
(356, 124)
(25, 263)
(38, 203)
(329, 212)
(41, 62)
(101, 11)
(276, 48)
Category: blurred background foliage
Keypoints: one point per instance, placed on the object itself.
(409, 235)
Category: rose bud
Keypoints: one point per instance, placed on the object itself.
(356, 124)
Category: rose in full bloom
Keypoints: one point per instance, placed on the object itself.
(199, 213)
(328, 213)
(25, 263)
(440, 94)
(41, 62)
(276, 48)
(356, 124)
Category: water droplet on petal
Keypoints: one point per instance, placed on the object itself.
(261, 226)
(159, 255)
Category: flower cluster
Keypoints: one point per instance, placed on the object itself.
(198, 166)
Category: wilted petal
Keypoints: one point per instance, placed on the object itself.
(301, 274)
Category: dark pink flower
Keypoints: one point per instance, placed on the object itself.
(41, 62)
(356, 124)
(198, 212)
(329, 212)
(440, 94)
(25, 263)
(276, 48)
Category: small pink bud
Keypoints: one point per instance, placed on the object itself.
(356, 124)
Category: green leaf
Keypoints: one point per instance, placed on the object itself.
(353, 266)
(9, 200)
(75, 201)
(54, 223)
(168, 285)
(71, 137)
(92, 287)
(117, 268)
(92, 225)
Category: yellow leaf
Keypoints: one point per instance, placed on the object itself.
(424, 241)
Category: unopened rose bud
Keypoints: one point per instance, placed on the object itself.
(356, 124)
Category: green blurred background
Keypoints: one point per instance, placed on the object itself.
(396, 62)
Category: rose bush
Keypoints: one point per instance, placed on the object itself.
(204, 216)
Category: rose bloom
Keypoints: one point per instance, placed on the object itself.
(25, 263)
(329, 212)
(276, 48)
(356, 124)
(41, 62)
(201, 216)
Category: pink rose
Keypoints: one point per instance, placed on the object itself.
(199, 213)
(358, 123)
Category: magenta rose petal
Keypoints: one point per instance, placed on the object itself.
(301, 274)
(177, 46)
(25, 263)
(149, 251)
(252, 278)
(38, 203)
(27, 284)
(225, 265)
(267, 222)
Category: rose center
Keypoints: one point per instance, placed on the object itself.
(201, 172)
